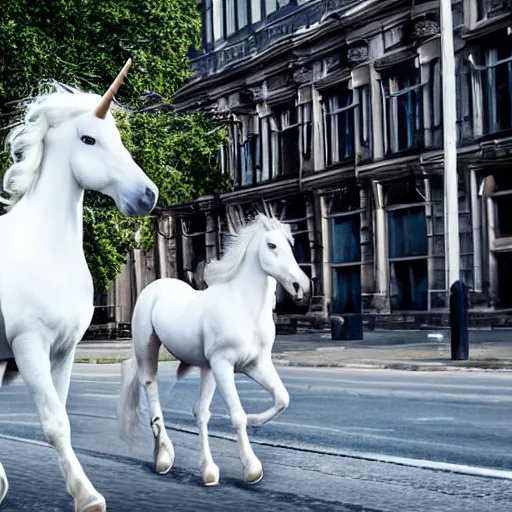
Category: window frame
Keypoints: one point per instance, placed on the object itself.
(333, 148)
(255, 15)
(390, 94)
(489, 91)
(334, 266)
(401, 259)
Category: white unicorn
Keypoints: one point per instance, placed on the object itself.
(68, 143)
(224, 329)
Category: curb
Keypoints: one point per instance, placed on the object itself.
(415, 367)
(114, 359)
(472, 366)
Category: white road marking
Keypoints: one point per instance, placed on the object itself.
(371, 457)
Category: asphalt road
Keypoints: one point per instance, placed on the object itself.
(348, 443)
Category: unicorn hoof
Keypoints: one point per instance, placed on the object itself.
(253, 473)
(164, 460)
(211, 475)
(4, 484)
(93, 504)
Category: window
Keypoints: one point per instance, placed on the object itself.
(250, 150)
(501, 246)
(404, 110)
(365, 122)
(481, 11)
(488, 8)
(207, 24)
(255, 11)
(497, 89)
(504, 264)
(218, 19)
(193, 230)
(274, 5)
(435, 115)
(464, 100)
(339, 125)
(408, 246)
(407, 232)
(223, 18)
(306, 130)
(345, 249)
(289, 142)
(285, 131)
(393, 37)
(242, 13)
(296, 212)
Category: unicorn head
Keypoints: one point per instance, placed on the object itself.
(268, 242)
(80, 130)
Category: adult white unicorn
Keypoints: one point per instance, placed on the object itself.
(224, 329)
(68, 143)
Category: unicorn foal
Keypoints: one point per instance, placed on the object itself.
(69, 143)
(224, 329)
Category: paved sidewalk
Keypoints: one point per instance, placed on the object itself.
(402, 350)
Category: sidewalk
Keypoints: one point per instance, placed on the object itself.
(401, 350)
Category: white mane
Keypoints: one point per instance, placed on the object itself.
(225, 269)
(26, 142)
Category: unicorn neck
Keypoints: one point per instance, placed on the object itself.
(253, 284)
(57, 199)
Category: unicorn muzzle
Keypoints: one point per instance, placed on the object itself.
(301, 288)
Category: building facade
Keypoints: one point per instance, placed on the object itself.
(334, 115)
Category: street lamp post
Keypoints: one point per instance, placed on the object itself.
(458, 292)
(451, 200)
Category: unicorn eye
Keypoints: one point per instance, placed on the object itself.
(88, 140)
(271, 246)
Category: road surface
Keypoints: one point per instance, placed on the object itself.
(352, 441)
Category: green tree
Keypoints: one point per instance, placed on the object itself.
(84, 43)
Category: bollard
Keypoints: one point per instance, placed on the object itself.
(347, 327)
(459, 321)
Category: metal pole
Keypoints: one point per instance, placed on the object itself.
(451, 201)
(457, 291)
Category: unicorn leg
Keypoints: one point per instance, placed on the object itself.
(4, 484)
(34, 365)
(61, 375)
(225, 377)
(209, 470)
(264, 373)
(147, 361)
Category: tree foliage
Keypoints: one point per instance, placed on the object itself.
(84, 43)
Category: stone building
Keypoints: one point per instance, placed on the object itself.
(334, 114)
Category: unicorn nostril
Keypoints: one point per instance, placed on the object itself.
(296, 286)
(148, 199)
(150, 195)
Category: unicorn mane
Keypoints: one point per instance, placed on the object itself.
(224, 269)
(25, 143)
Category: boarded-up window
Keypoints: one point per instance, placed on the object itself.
(345, 249)
(407, 233)
(408, 246)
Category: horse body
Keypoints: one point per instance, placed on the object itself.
(46, 289)
(182, 318)
(44, 278)
(224, 329)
